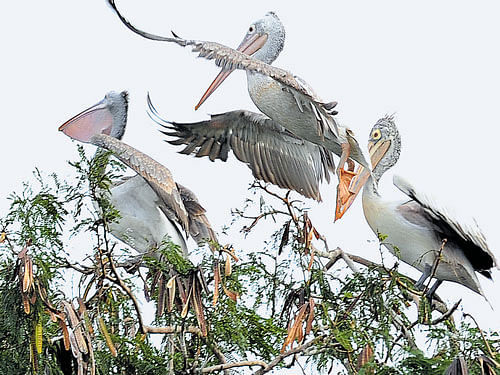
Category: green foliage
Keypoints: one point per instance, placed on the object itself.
(347, 311)
(14, 324)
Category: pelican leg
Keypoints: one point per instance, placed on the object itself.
(427, 272)
(432, 290)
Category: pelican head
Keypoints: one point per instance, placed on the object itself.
(265, 38)
(109, 116)
(264, 41)
(384, 146)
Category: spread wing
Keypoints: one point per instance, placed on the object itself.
(272, 153)
(158, 176)
(229, 59)
(423, 210)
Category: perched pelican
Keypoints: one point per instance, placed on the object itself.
(286, 99)
(151, 204)
(417, 228)
(272, 153)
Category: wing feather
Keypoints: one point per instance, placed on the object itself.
(158, 176)
(467, 234)
(272, 153)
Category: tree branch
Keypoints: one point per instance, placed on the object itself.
(172, 329)
(279, 358)
(226, 366)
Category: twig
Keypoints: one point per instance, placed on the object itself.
(484, 339)
(282, 356)
(257, 218)
(333, 255)
(405, 331)
(172, 329)
(435, 264)
(447, 314)
(438, 320)
(226, 366)
(285, 199)
(218, 353)
(117, 280)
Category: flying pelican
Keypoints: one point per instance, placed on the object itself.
(286, 99)
(272, 153)
(151, 204)
(419, 230)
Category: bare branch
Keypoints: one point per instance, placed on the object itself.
(173, 329)
(226, 366)
(117, 280)
(279, 358)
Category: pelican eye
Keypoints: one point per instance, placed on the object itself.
(251, 29)
(376, 134)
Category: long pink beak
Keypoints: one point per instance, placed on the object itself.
(94, 120)
(248, 46)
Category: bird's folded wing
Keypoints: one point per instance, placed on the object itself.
(158, 176)
(199, 226)
(467, 232)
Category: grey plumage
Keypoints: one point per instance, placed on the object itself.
(308, 118)
(272, 153)
(158, 177)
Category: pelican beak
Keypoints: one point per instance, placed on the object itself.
(248, 46)
(94, 120)
(350, 184)
(377, 151)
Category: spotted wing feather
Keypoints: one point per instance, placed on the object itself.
(157, 175)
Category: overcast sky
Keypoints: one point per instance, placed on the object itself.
(434, 64)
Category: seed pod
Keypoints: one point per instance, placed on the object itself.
(365, 356)
(216, 284)
(66, 339)
(198, 308)
(161, 296)
(107, 337)
(26, 303)
(227, 267)
(75, 324)
(28, 273)
(171, 293)
(39, 336)
(186, 304)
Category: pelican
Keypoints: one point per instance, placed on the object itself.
(272, 153)
(284, 98)
(419, 230)
(151, 204)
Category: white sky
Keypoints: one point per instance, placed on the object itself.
(434, 64)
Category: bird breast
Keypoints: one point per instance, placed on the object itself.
(273, 99)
